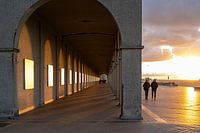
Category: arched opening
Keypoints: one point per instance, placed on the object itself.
(69, 44)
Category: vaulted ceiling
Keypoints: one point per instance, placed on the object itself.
(87, 26)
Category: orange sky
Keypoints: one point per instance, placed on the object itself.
(171, 37)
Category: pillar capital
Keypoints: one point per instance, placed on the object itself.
(131, 47)
(9, 50)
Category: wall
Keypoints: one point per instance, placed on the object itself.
(38, 42)
(69, 83)
(29, 48)
(75, 72)
(79, 74)
(61, 65)
(48, 40)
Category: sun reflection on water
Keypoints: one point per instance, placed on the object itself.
(191, 113)
(191, 95)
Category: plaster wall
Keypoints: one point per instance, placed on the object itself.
(75, 73)
(79, 74)
(48, 40)
(38, 39)
(69, 56)
(29, 49)
(61, 65)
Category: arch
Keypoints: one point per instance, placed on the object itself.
(39, 4)
(33, 7)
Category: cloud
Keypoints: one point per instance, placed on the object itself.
(171, 12)
(151, 54)
(170, 22)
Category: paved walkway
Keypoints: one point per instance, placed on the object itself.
(177, 105)
(93, 110)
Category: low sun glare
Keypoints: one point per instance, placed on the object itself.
(178, 67)
(181, 67)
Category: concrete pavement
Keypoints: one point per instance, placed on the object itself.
(95, 110)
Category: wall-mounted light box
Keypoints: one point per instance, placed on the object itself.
(75, 77)
(28, 74)
(50, 75)
(62, 76)
(70, 77)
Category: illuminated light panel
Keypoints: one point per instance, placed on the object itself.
(50, 75)
(75, 77)
(79, 77)
(29, 74)
(83, 76)
(70, 77)
(62, 70)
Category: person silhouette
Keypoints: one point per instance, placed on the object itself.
(146, 87)
(154, 86)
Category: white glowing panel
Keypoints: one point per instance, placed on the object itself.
(75, 77)
(83, 78)
(79, 77)
(50, 75)
(70, 77)
(62, 74)
(28, 74)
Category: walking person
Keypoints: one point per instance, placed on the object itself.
(154, 86)
(146, 87)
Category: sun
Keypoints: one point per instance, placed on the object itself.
(185, 68)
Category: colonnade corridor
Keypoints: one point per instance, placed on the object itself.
(55, 49)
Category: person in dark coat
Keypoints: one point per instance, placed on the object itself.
(146, 87)
(154, 86)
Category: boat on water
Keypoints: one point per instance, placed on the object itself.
(167, 83)
(197, 88)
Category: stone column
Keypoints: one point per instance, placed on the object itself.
(117, 79)
(77, 72)
(131, 48)
(73, 72)
(66, 65)
(56, 70)
(81, 71)
(83, 74)
(120, 78)
(86, 76)
(8, 90)
(131, 83)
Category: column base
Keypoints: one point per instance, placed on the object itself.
(8, 115)
(133, 118)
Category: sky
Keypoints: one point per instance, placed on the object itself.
(171, 38)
